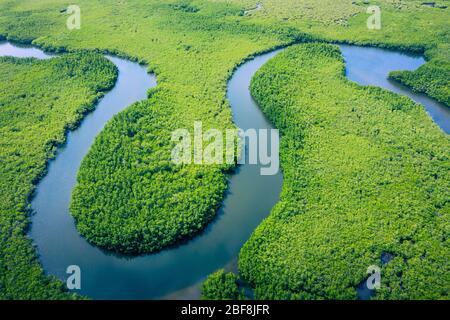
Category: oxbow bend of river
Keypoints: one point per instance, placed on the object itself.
(176, 273)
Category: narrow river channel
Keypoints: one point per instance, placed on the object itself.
(249, 200)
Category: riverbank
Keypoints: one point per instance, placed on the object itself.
(195, 52)
(365, 174)
(41, 101)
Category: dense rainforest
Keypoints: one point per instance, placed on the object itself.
(432, 78)
(130, 197)
(40, 100)
(366, 174)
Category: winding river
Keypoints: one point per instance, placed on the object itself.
(177, 272)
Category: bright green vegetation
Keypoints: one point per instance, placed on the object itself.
(221, 285)
(327, 12)
(366, 172)
(39, 101)
(432, 78)
(130, 197)
(405, 25)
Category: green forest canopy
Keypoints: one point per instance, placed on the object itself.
(40, 100)
(193, 46)
(366, 173)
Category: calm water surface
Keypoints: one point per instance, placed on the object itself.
(175, 273)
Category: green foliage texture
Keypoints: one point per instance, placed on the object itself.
(221, 285)
(366, 173)
(39, 101)
(130, 197)
(432, 78)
